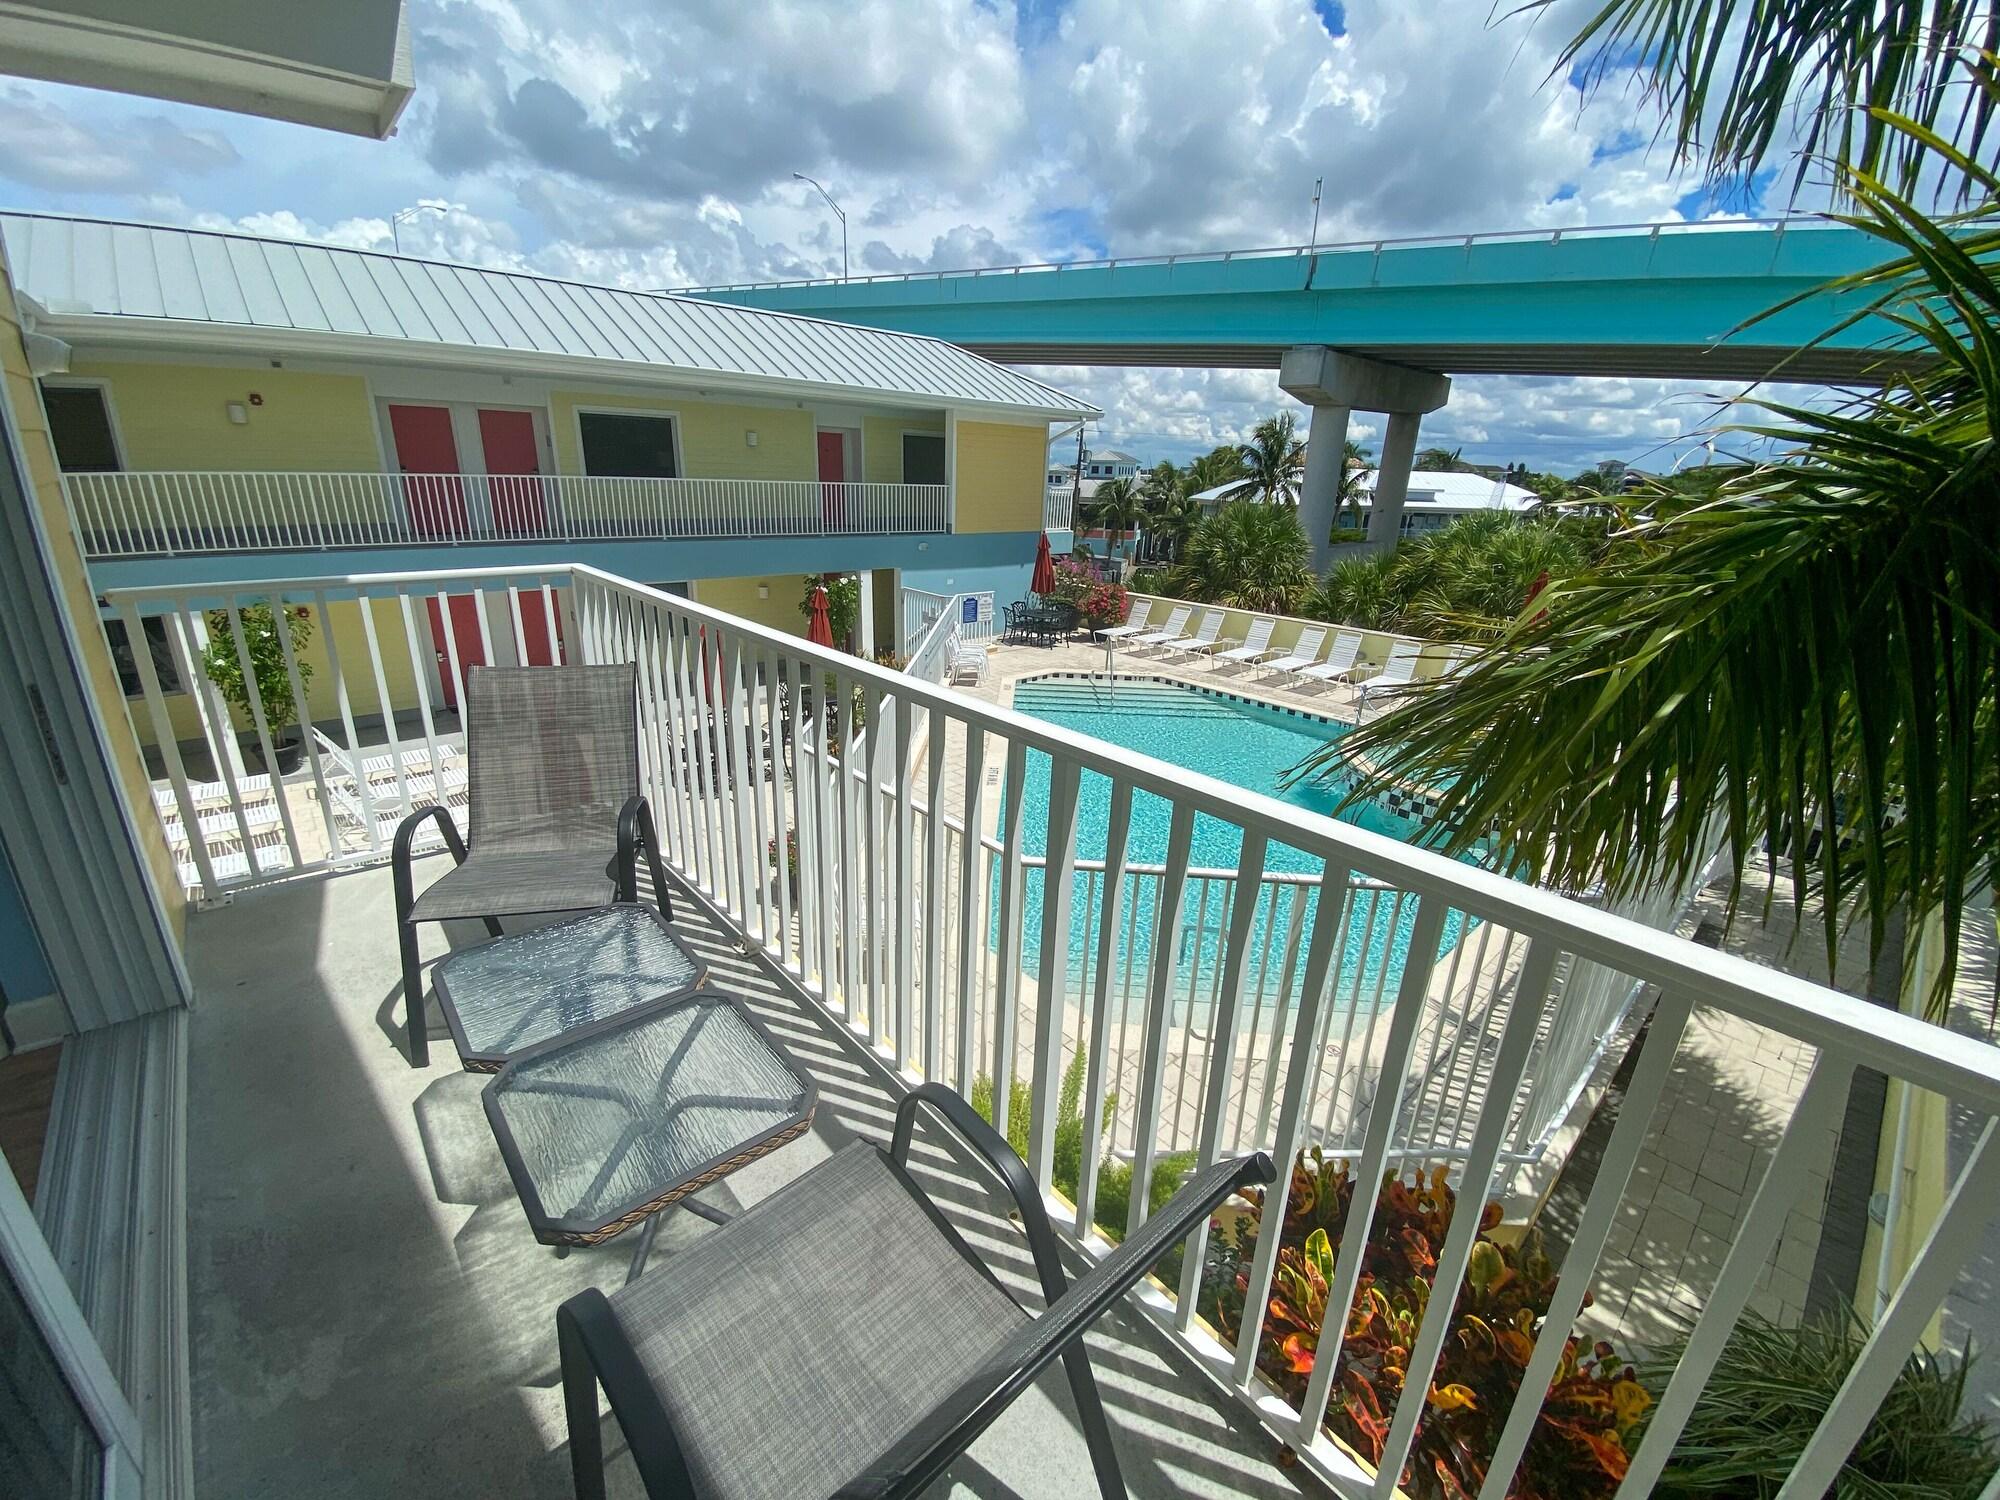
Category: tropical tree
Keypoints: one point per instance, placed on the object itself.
(1809, 658)
(1117, 510)
(1439, 461)
(1246, 556)
(1274, 461)
(1163, 482)
(1215, 467)
(1355, 463)
(1173, 523)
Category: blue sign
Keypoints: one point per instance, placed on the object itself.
(968, 611)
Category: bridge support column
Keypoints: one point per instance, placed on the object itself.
(1392, 480)
(1319, 491)
(1331, 382)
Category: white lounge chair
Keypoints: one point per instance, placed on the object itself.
(1339, 663)
(1305, 651)
(1257, 643)
(1171, 631)
(968, 663)
(1135, 621)
(1206, 638)
(1399, 671)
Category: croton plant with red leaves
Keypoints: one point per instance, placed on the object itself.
(1579, 1444)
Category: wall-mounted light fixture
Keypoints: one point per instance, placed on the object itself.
(238, 413)
(763, 591)
(750, 437)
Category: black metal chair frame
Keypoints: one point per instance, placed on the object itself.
(635, 833)
(595, 1350)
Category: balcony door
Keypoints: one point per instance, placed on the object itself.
(514, 459)
(833, 451)
(425, 448)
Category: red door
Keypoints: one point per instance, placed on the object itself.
(471, 649)
(424, 447)
(832, 474)
(536, 607)
(508, 441)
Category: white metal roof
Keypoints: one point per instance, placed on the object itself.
(1436, 491)
(185, 287)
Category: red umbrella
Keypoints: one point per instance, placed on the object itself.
(1534, 592)
(1044, 581)
(819, 624)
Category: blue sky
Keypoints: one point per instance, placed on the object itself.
(643, 145)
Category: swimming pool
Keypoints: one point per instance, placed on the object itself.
(1245, 744)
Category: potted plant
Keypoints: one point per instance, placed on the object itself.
(222, 665)
(791, 859)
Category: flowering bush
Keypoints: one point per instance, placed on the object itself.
(1102, 605)
(791, 854)
(1579, 1444)
(1074, 582)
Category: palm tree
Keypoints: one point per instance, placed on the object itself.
(1439, 461)
(1246, 556)
(1117, 510)
(1274, 461)
(1173, 524)
(1216, 467)
(1810, 657)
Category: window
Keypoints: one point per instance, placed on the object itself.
(164, 668)
(47, 1445)
(80, 424)
(923, 458)
(628, 445)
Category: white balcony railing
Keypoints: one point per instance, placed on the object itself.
(974, 897)
(154, 512)
(1058, 508)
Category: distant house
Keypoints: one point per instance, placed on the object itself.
(1438, 499)
(1110, 464)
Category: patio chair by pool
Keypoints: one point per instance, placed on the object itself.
(1340, 664)
(1171, 631)
(1398, 672)
(840, 1339)
(1206, 636)
(1135, 621)
(1257, 643)
(1305, 651)
(555, 818)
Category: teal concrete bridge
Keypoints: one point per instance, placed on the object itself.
(1382, 325)
(1648, 300)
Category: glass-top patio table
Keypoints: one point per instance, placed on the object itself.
(605, 1126)
(507, 995)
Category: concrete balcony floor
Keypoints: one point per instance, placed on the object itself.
(371, 1315)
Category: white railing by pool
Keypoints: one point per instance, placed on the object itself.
(153, 512)
(983, 896)
(1059, 508)
(921, 608)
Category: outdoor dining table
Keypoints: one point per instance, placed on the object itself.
(603, 1127)
(509, 994)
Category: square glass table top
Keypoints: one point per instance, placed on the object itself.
(502, 997)
(603, 1126)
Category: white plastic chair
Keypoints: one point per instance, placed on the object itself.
(1206, 638)
(1257, 643)
(1305, 651)
(1171, 631)
(1135, 621)
(1398, 672)
(1339, 664)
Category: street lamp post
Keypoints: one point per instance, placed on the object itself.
(836, 213)
(396, 224)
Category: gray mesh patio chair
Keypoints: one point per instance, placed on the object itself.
(555, 817)
(840, 1339)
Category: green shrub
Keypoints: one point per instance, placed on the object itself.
(222, 666)
(1771, 1387)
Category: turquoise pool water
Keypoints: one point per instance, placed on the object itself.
(1247, 745)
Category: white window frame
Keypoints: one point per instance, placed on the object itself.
(32, 1268)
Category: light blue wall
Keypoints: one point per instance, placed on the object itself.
(24, 972)
(1007, 581)
(965, 554)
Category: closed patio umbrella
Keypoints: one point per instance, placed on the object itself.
(819, 624)
(1044, 581)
